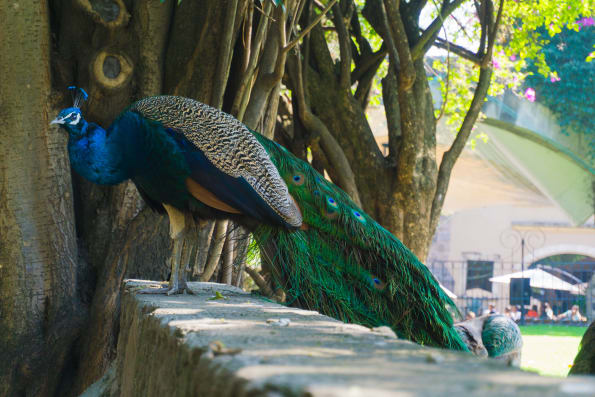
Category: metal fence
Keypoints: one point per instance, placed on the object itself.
(550, 292)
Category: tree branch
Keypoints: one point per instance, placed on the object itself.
(225, 54)
(364, 85)
(459, 50)
(344, 48)
(391, 109)
(304, 32)
(215, 251)
(368, 62)
(398, 40)
(431, 32)
(243, 93)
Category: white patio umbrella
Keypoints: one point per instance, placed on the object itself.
(448, 292)
(539, 279)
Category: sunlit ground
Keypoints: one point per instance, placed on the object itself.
(550, 349)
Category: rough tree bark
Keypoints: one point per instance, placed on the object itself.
(41, 312)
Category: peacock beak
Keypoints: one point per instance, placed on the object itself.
(57, 120)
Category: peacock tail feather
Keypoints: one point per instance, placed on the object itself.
(345, 265)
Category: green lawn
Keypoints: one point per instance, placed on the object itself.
(550, 349)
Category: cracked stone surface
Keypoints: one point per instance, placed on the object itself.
(222, 341)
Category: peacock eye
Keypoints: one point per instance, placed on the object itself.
(359, 216)
(298, 179)
(377, 283)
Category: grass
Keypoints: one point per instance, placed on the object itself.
(550, 349)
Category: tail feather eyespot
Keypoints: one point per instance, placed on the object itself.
(298, 179)
(377, 283)
(358, 216)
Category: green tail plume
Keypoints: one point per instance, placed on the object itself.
(349, 267)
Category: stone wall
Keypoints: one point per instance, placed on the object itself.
(222, 341)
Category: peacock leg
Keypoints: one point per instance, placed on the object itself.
(178, 227)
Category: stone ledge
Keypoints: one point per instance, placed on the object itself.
(202, 345)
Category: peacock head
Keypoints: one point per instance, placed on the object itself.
(68, 117)
(71, 118)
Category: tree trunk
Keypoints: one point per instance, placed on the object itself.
(40, 308)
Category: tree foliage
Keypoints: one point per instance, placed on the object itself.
(563, 89)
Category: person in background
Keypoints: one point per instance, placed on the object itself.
(548, 313)
(490, 310)
(533, 313)
(470, 315)
(507, 312)
(515, 314)
(571, 315)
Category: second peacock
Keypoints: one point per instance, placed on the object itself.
(189, 159)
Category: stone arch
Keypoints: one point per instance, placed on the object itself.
(560, 249)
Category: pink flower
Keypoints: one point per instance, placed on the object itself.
(554, 78)
(495, 63)
(512, 57)
(586, 21)
(530, 94)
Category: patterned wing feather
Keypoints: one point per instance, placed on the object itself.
(227, 144)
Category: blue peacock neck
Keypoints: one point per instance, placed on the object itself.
(96, 154)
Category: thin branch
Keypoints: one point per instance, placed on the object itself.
(392, 111)
(344, 48)
(454, 18)
(493, 34)
(388, 40)
(225, 55)
(248, 37)
(364, 85)
(367, 63)
(205, 235)
(227, 256)
(457, 49)
(241, 248)
(215, 251)
(307, 30)
(447, 88)
(431, 32)
(243, 93)
(396, 29)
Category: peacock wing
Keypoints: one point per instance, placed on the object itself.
(240, 162)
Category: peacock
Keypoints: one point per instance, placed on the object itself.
(188, 159)
(495, 336)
